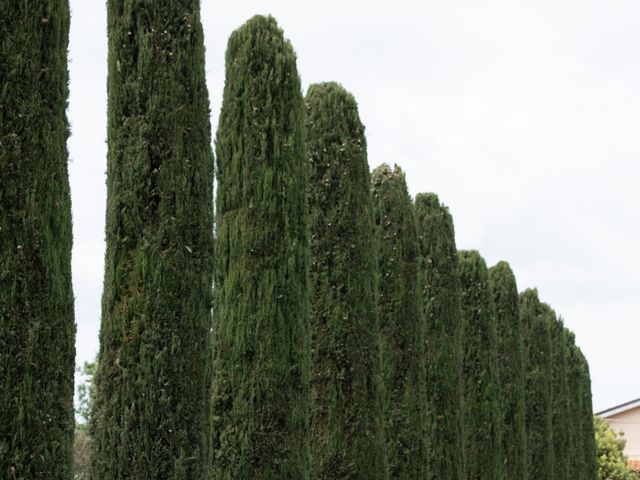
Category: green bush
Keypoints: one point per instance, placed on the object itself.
(612, 462)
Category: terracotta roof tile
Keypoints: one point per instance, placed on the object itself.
(634, 465)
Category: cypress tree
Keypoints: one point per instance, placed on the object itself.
(576, 457)
(560, 394)
(510, 374)
(481, 409)
(588, 443)
(347, 437)
(401, 325)
(538, 401)
(440, 290)
(37, 327)
(582, 435)
(150, 417)
(261, 344)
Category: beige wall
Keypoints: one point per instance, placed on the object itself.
(629, 423)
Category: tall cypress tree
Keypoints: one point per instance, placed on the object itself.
(588, 444)
(37, 327)
(511, 373)
(401, 325)
(440, 289)
(538, 401)
(261, 344)
(347, 438)
(481, 409)
(560, 395)
(150, 418)
(582, 438)
(576, 458)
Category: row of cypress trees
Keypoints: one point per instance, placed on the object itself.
(351, 340)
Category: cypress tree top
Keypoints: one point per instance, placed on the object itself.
(37, 327)
(511, 373)
(151, 411)
(440, 288)
(401, 324)
(483, 433)
(347, 437)
(261, 344)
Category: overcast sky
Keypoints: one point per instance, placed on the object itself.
(524, 117)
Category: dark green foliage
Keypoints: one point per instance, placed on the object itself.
(443, 321)
(511, 372)
(560, 395)
(401, 325)
(560, 432)
(347, 438)
(150, 418)
(483, 439)
(587, 447)
(574, 382)
(37, 326)
(538, 400)
(582, 457)
(261, 335)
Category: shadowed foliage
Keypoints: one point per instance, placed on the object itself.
(347, 423)
(401, 325)
(483, 435)
(150, 416)
(37, 330)
(261, 343)
(440, 289)
(511, 373)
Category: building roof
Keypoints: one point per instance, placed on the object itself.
(634, 465)
(623, 407)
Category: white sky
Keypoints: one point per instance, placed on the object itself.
(523, 116)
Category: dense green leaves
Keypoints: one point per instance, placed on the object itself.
(261, 343)
(560, 437)
(539, 414)
(511, 370)
(401, 325)
(151, 411)
(440, 289)
(37, 327)
(612, 462)
(347, 424)
(587, 446)
(560, 402)
(483, 433)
